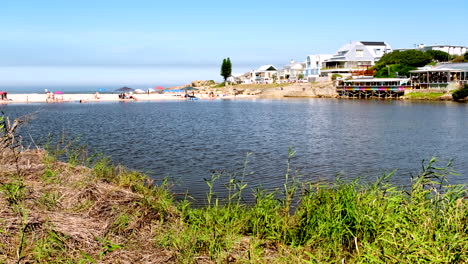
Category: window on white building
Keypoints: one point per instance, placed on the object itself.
(377, 52)
(359, 53)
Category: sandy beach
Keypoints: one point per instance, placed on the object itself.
(85, 98)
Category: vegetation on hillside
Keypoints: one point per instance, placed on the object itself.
(86, 210)
(461, 58)
(400, 63)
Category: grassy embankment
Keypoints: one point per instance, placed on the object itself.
(424, 96)
(86, 210)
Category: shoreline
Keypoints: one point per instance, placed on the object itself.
(91, 98)
(22, 98)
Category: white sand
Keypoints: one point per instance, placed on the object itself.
(41, 98)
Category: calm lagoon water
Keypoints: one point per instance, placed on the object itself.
(187, 141)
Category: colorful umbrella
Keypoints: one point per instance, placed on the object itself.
(125, 89)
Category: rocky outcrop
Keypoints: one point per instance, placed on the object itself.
(317, 90)
(202, 83)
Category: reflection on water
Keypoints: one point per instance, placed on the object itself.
(189, 140)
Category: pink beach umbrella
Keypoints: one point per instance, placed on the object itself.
(59, 92)
(159, 88)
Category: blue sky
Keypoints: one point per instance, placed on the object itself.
(199, 34)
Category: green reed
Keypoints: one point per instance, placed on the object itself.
(345, 220)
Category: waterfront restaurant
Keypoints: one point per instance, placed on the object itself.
(373, 87)
(448, 76)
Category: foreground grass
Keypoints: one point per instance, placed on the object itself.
(87, 210)
(424, 96)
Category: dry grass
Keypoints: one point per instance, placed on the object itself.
(74, 216)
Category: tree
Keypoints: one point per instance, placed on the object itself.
(392, 70)
(226, 68)
(457, 59)
(401, 62)
(414, 58)
(439, 55)
(466, 56)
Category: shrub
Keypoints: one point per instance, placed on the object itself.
(461, 93)
(336, 75)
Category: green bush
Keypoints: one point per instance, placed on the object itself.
(392, 70)
(336, 75)
(461, 93)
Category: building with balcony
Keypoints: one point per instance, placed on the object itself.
(313, 66)
(264, 74)
(449, 76)
(292, 71)
(355, 56)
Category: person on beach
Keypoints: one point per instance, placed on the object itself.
(50, 97)
(96, 96)
(4, 96)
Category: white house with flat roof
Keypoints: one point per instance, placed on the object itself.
(313, 65)
(356, 55)
(450, 49)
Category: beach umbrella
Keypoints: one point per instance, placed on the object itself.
(125, 89)
(101, 90)
(159, 88)
(58, 92)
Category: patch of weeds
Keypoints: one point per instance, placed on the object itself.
(86, 259)
(107, 247)
(14, 191)
(181, 239)
(49, 200)
(50, 173)
(121, 223)
(104, 170)
(51, 247)
(50, 176)
(83, 205)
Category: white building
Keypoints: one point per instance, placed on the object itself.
(314, 65)
(292, 71)
(356, 56)
(450, 49)
(264, 74)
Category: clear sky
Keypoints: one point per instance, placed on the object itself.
(199, 34)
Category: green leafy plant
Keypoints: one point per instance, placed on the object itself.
(461, 93)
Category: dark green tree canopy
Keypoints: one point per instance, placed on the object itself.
(438, 55)
(413, 58)
(402, 62)
(466, 56)
(226, 68)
